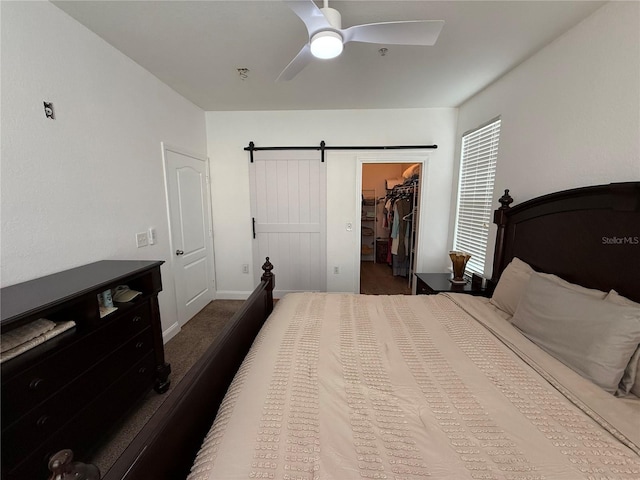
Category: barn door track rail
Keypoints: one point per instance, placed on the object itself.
(323, 147)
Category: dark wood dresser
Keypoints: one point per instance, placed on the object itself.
(71, 390)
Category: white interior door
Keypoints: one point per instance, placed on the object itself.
(187, 182)
(288, 204)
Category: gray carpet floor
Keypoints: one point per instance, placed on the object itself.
(182, 351)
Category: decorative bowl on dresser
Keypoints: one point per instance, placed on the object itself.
(69, 391)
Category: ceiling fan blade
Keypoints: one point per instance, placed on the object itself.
(413, 32)
(296, 65)
(310, 14)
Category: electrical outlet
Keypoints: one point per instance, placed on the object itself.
(142, 239)
(245, 268)
(336, 270)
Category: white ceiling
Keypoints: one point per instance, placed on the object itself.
(196, 48)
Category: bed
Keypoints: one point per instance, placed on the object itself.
(341, 386)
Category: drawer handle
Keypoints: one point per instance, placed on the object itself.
(142, 370)
(137, 318)
(42, 420)
(139, 344)
(36, 384)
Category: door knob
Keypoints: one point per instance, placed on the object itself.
(179, 252)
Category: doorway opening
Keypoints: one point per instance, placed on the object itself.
(389, 227)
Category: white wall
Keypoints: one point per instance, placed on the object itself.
(77, 189)
(571, 113)
(229, 132)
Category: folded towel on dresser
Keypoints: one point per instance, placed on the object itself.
(31, 335)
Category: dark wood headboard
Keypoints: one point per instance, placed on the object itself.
(589, 236)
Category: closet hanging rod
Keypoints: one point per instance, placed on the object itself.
(322, 147)
(401, 190)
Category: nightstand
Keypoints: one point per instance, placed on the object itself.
(433, 283)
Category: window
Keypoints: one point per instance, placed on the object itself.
(475, 193)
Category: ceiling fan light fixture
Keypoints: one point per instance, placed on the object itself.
(326, 44)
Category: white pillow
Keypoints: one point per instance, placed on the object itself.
(513, 283)
(592, 292)
(631, 379)
(595, 338)
(615, 297)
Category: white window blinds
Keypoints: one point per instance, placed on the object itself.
(475, 193)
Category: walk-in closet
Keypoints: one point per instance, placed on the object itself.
(389, 227)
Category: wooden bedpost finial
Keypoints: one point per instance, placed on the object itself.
(505, 200)
(267, 267)
(267, 276)
(500, 219)
(270, 279)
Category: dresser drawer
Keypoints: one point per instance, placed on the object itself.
(31, 387)
(126, 324)
(46, 418)
(87, 427)
(424, 289)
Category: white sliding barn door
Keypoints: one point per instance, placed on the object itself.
(288, 204)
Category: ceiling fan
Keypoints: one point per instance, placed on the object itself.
(327, 38)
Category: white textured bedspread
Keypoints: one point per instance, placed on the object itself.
(340, 386)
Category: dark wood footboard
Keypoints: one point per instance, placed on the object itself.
(166, 447)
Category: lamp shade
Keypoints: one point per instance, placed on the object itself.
(327, 44)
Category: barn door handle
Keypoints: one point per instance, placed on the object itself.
(253, 220)
(179, 252)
